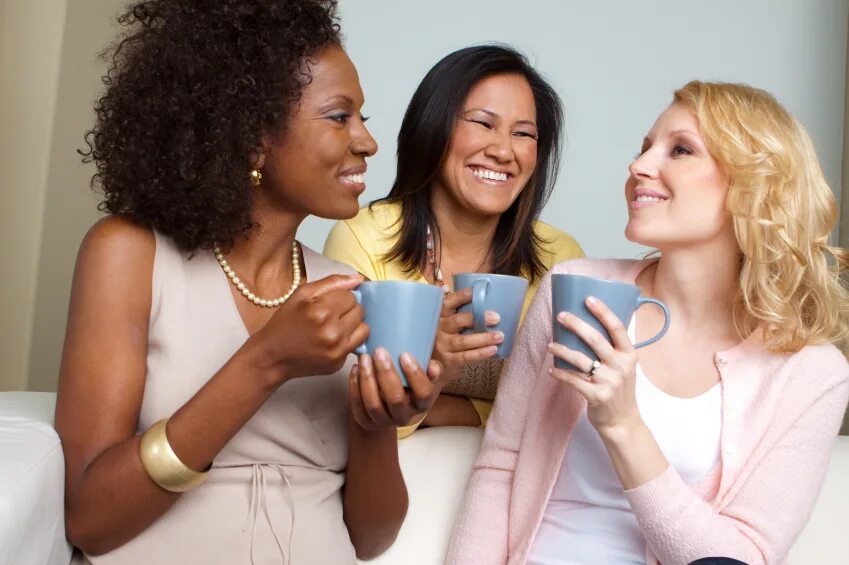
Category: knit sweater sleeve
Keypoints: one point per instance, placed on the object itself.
(481, 533)
(771, 502)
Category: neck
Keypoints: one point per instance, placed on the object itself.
(698, 282)
(265, 254)
(465, 237)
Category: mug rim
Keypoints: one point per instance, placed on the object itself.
(389, 281)
(496, 275)
(410, 284)
(598, 280)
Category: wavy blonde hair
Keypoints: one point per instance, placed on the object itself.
(783, 212)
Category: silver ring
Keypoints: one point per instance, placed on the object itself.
(594, 368)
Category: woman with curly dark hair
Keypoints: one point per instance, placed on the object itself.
(204, 343)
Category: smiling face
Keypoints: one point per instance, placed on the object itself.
(493, 148)
(318, 166)
(676, 192)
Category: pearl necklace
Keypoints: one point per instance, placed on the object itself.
(272, 303)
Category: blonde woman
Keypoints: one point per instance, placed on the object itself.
(713, 441)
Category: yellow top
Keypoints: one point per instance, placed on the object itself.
(365, 239)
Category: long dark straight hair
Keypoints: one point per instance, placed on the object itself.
(423, 143)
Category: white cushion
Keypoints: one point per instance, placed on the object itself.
(32, 475)
(436, 464)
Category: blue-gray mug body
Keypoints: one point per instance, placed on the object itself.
(504, 294)
(402, 317)
(569, 294)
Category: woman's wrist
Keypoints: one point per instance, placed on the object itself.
(451, 372)
(267, 368)
(450, 410)
(623, 433)
(362, 438)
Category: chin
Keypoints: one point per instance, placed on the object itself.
(339, 211)
(643, 237)
(490, 208)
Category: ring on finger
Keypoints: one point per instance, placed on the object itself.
(593, 369)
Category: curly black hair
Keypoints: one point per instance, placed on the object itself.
(192, 88)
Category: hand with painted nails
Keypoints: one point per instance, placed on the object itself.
(377, 397)
(608, 385)
(452, 348)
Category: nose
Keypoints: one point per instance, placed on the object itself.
(500, 147)
(643, 166)
(362, 142)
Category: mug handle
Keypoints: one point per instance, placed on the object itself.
(479, 288)
(360, 349)
(640, 302)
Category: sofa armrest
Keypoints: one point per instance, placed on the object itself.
(32, 476)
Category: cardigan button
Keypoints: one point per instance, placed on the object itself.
(721, 361)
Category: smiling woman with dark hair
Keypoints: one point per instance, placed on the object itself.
(478, 154)
(208, 407)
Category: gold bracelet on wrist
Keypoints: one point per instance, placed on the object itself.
(161, 463)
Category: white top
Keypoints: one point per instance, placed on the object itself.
(588, 519)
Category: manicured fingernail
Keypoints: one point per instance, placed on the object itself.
(550, 347)
(364, 361)
(499, 337)
(551, 370)
(592, 300)
(382, 357)
(492, 318)
(407, 359)
(562, 317)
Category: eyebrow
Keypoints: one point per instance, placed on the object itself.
(677, 131)
(494, 115)
(336, 99)
(647, 139)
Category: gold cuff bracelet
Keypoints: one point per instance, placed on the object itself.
(161, 463)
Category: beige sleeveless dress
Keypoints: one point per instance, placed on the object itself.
(273, 494)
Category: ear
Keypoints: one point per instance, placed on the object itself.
(258, 154)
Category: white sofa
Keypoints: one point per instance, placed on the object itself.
(436, 464)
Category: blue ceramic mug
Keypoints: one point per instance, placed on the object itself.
(569, 294)
(504, 294)
(402, 318)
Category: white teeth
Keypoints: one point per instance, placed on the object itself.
(359, 179)
(489, 175)
(648, 199)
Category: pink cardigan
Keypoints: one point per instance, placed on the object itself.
(780, 416)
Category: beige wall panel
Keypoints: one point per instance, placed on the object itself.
(30, 47)
(71, 206)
